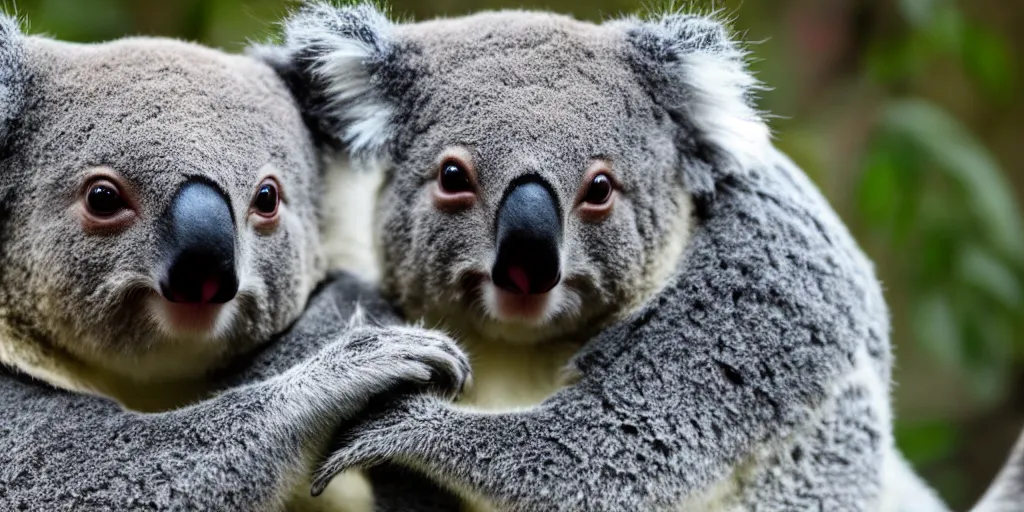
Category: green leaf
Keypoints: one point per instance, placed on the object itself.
(923, 442)
(988, 354)
(944, 142)
(66, 19)
(945, 32)
(984, 271)
(878, 194)
(887, 191)
(986, 58)
(936, 328)
(918, 12)
(936, 255)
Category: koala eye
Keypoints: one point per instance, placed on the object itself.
(455, 187)
(596, 197)
(106, 204)
(103, 199)
(599, 191)
(454, 178)
(267, 199)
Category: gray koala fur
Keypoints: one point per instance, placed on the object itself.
(105, 405)
(727, 341)
(243, 449)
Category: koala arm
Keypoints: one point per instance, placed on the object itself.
(596, 447)
(339, 300)
(243, 449)
(773, 331)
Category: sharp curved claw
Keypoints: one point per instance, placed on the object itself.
(339, 461)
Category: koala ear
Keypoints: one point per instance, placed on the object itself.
(698, 73)
(330, 57)
(12, 77)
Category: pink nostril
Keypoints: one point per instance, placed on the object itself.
(518, 277)
(210, 288)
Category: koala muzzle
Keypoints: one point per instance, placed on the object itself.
(529, 235)
(199, 247)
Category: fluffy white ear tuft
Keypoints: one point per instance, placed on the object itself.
(701, 74)
(12, 75)
(339, 49)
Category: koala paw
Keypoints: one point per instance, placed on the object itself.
(403, 429)
(394, 356)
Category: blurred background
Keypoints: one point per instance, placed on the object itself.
(906, 114)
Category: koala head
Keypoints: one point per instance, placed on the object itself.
(541, 173)
(157, 205)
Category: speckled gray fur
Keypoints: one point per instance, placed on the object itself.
(158, 112)
(738, 361)
(756, 379)
(239, 450)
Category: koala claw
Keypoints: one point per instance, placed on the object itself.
(348, 457)
(396, 431)
(414, 355)
(448, 368)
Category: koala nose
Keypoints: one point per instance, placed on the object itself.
(529, 233)
(199, 247)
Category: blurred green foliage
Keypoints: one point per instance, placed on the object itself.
(891, 107)
(936, 191)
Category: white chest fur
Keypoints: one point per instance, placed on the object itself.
(510, 376)
(506, 377)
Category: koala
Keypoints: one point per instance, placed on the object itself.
(661, 310)
(158, 229)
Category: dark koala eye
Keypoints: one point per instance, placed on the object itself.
(454, 178)
(456, 185)
(599, 191)
(103, 199)
(106, 204)
(267, 199)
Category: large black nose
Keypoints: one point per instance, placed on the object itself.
(529, 233)
(199, 247)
